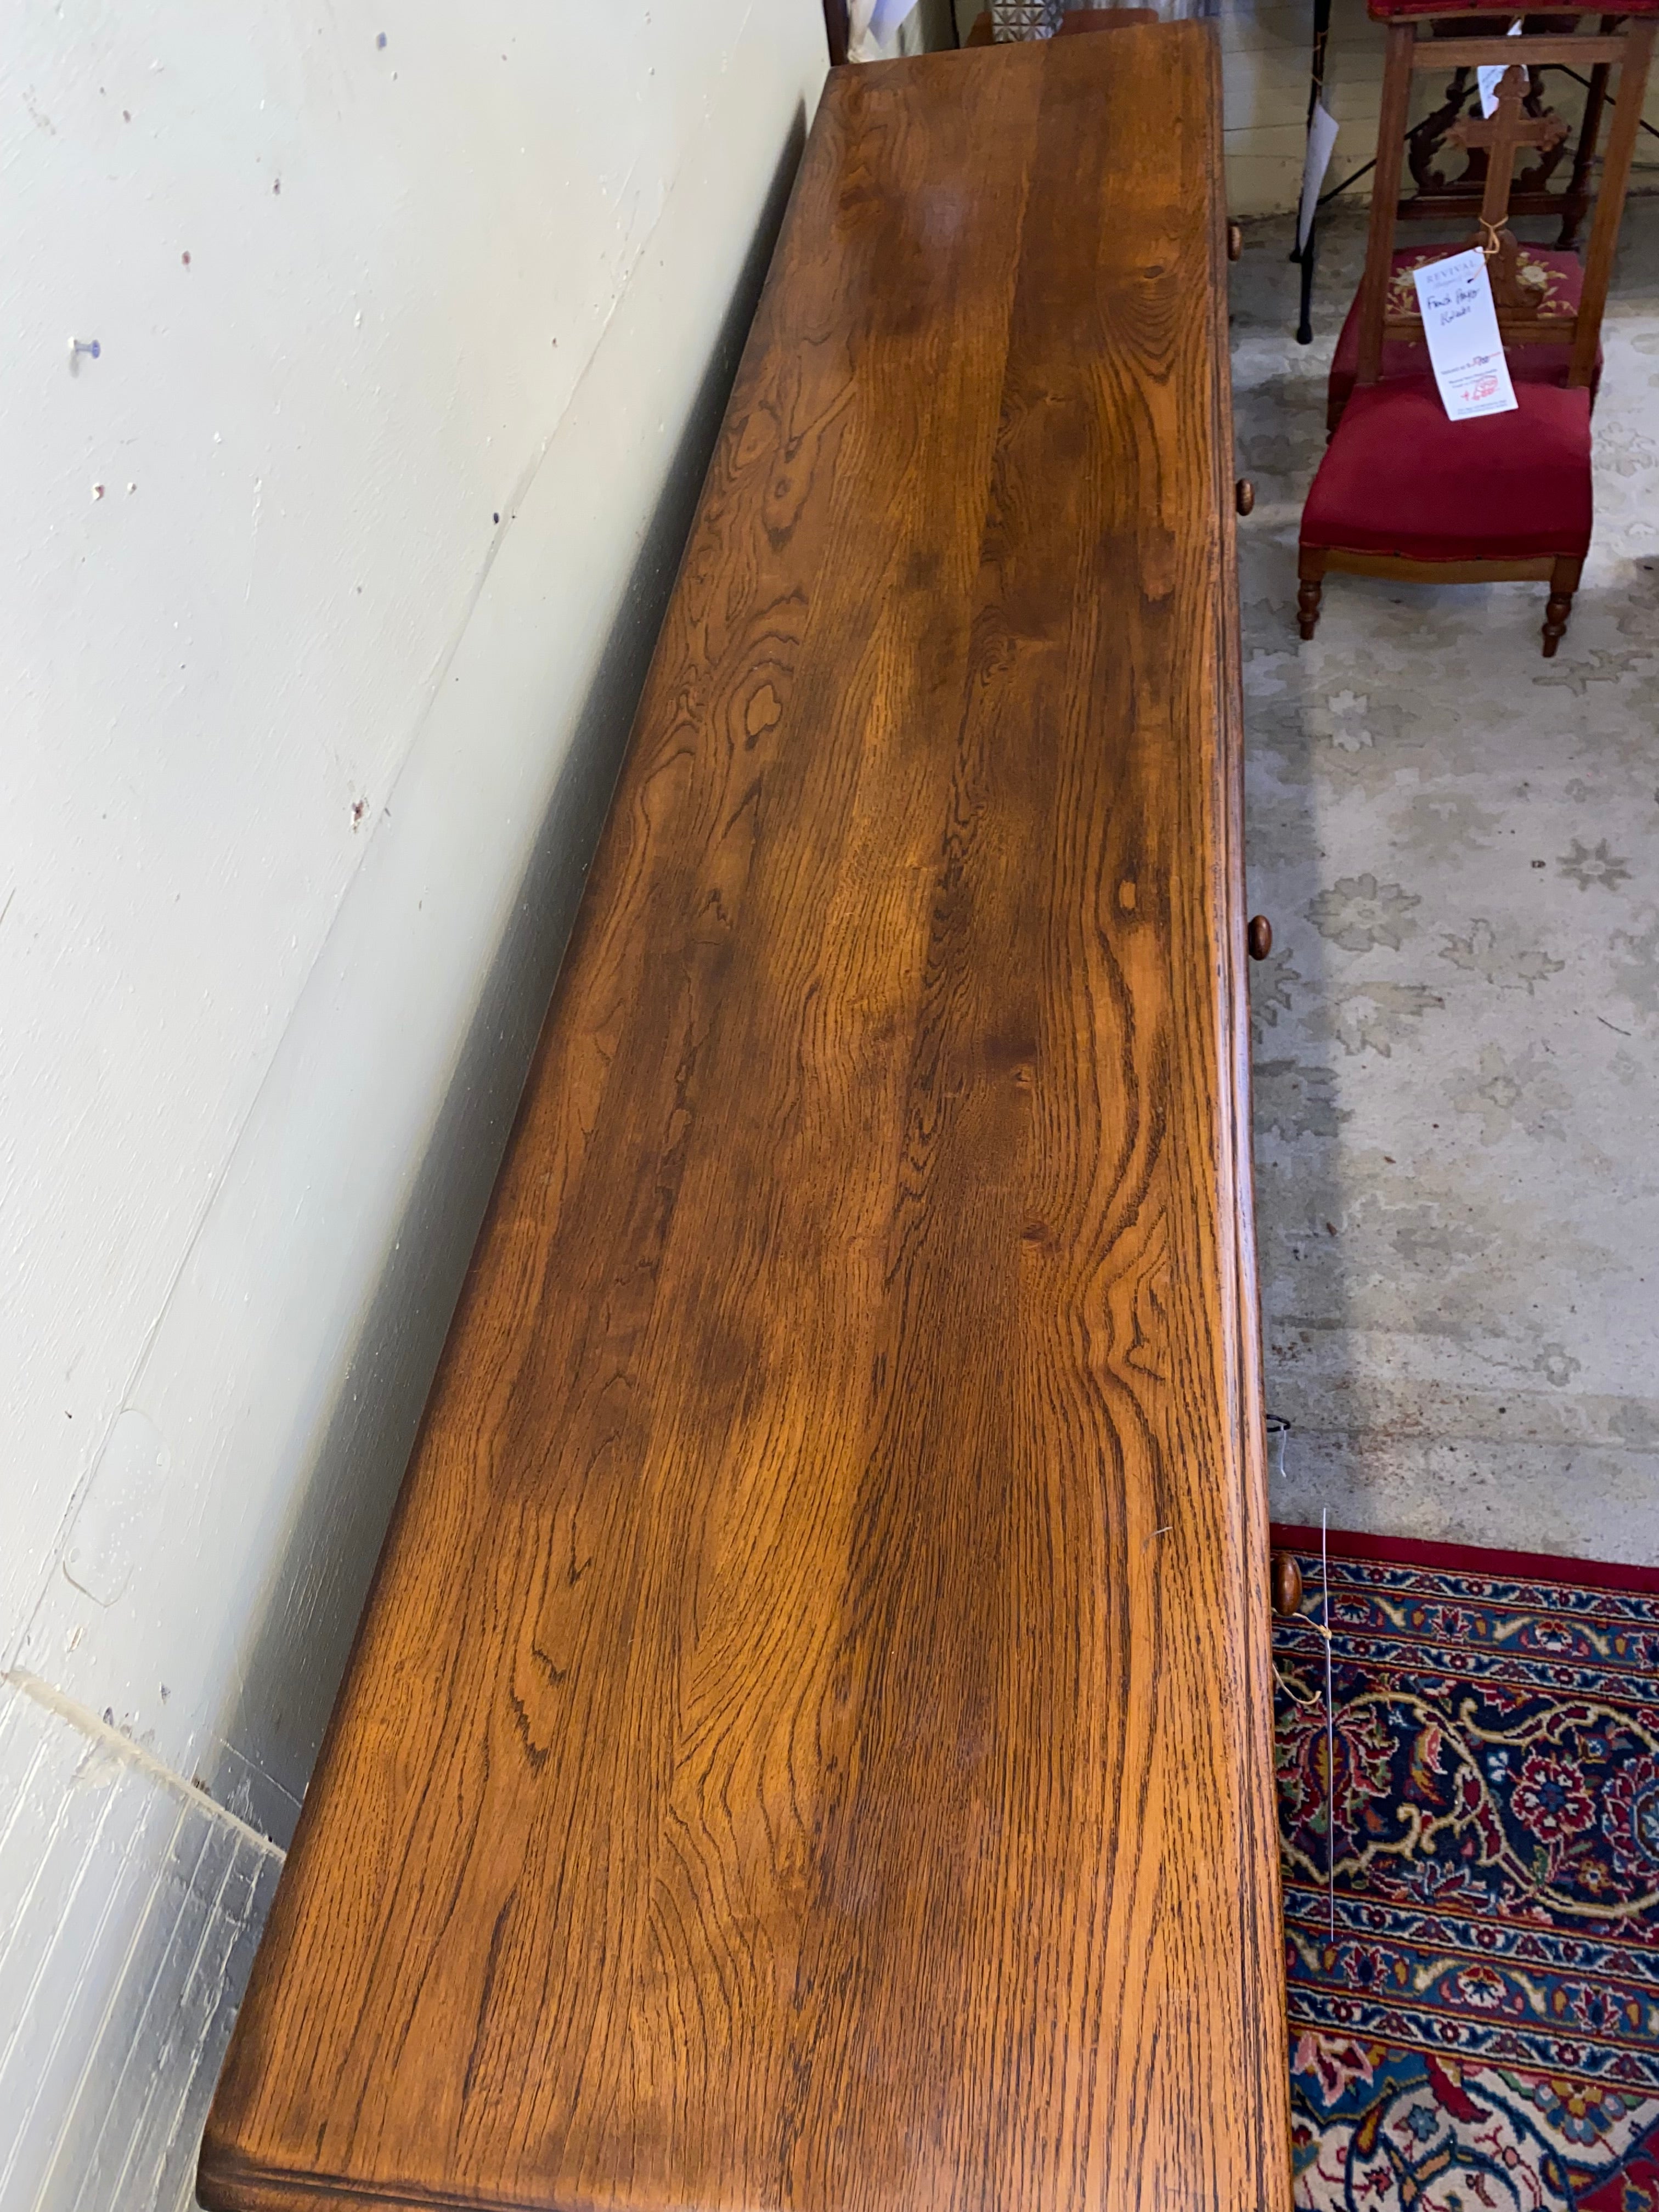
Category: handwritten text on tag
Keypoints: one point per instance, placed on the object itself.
(1460, 323)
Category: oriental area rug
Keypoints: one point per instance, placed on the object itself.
(1482, 2028)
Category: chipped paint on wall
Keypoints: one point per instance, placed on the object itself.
(120, 1981)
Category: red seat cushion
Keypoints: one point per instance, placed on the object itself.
(1535, 364)
(1400, 476)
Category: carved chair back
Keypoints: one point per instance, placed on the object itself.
(1532, 306)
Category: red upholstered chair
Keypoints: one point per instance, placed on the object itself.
(1403, 491)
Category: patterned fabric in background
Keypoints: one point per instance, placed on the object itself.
(1484, 2030)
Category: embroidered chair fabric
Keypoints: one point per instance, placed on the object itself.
(1544, 362)
(1403, 491)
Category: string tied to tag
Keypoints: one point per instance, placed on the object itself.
(1322, 1629)
(1330, 1714)
(1492, 244)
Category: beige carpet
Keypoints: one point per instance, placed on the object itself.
(1457, 1034)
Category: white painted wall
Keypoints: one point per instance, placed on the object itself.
(329, 586)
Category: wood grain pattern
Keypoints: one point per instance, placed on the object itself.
(808, 1743)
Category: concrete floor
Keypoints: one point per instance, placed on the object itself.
(1457, 1034)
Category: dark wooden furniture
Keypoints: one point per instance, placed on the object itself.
(1505, 497)
(1443, 189)
(809, 1741)
(1541, 292)
(1441, 193)
(1286, 1584)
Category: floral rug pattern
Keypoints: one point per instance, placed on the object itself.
(1482, 2027)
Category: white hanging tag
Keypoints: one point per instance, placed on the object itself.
(1322, 136)
(1460, 323)
(860, 45)
(887, 16)
(1491, 75)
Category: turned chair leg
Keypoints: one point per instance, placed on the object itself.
(1310, 571)
(1564, 582)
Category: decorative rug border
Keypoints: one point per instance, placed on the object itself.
(1475, 1916)
(1472, 1559)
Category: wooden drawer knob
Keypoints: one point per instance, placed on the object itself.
(1259, 937)
(1285, 1582)
(1234, 241)
(1243, 494)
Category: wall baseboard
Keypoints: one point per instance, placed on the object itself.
(135, 1907)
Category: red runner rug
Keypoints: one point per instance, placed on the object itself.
(1482, 2028)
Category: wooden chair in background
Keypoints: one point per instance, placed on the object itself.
(1405, 492)
(1438, 195)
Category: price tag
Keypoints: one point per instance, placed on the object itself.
(1460, 322)
(1322, 136)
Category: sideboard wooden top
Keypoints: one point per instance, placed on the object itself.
(808, 1745)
